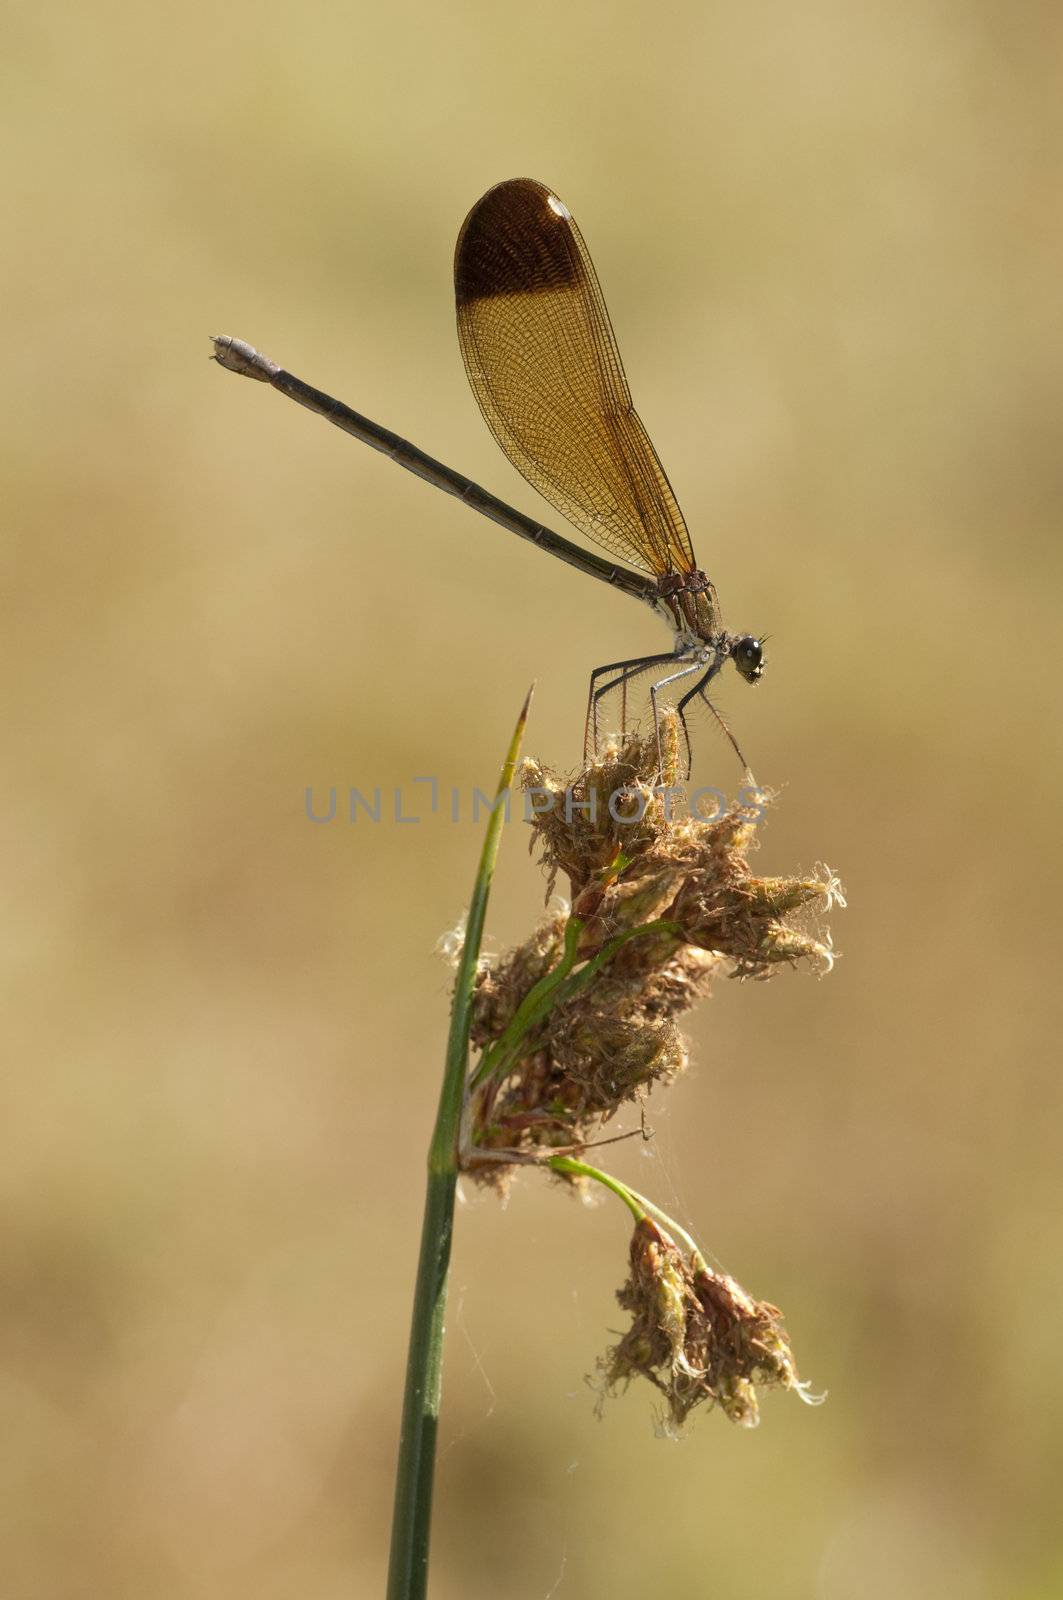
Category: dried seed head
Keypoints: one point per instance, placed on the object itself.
(697, 1335)
(660, 905)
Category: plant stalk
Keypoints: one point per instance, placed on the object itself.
(411, 1523)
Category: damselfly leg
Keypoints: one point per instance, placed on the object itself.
(699, 690)
(625, 670)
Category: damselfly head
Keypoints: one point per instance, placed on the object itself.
(748, 656)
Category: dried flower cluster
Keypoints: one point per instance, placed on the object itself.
(696, 1334)
(580, 1020)
(659, 906)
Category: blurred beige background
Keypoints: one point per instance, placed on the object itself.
(830, 239)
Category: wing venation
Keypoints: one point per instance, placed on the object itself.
(544, 366)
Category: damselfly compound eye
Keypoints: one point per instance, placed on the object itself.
(749, 658)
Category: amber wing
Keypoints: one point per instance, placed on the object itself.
(543, 363)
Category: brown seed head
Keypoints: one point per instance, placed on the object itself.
(697, 1335)
(660, 904)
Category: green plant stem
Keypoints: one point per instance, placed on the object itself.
(536, 1003)
(411, 1524)
(672, 1226)
(583, 1169)
(636, 1203)
(553, 989)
